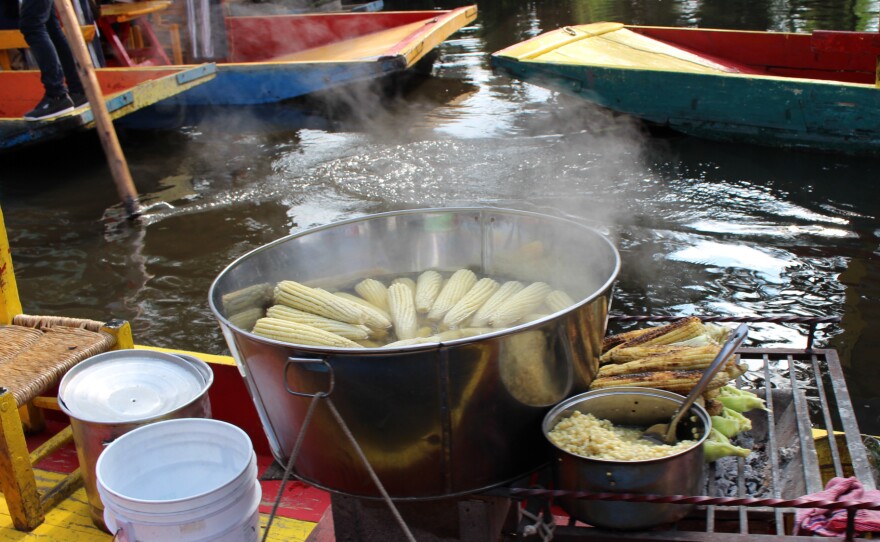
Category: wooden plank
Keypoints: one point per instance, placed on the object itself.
(14, 39)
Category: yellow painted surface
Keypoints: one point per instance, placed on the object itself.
(208, 358)
(611, 45)
(70, 522)
(368, 46)
(10, 305)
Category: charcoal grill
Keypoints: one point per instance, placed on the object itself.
(804, 389)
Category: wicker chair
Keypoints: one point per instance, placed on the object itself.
(35, 352)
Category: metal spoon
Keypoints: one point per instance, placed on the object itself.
(664, 433)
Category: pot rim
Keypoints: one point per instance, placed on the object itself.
(421, 346)
(553, 415)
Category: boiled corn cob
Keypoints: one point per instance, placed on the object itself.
(403, 311)
(318, 301)
(349, 331)
(416, 340)
(502, 294)
(519, 305)
(459, 283)
(471, 302)
(427, 287)
(410, 283)
(677, 359)
(246, 318)
(373, 291)
(675, 381)
(558, 300)
(252, 296)
(293, 332)
(462, 333)
(680, 330)
(376, 317)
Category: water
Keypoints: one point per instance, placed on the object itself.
(702, 227)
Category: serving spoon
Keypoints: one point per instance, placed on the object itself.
(664, 433)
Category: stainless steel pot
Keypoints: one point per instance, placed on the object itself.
(435, 419)
(679, 474)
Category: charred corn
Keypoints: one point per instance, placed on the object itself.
(317, 301)
(349, 331)
(376, 317)
(427, 287)
(611, 341)
(698, 354)
(680, 330)
(459, 283)
(373, 291)
(676, 381)
(471, 302)
(676, 360)
(293, 332)
(558, 300)
(502, 294)
(403, 311)
(519, 305)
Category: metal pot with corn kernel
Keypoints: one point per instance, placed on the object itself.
(442, 337)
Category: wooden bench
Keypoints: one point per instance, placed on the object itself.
(14, 39)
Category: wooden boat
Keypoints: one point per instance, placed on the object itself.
(125, 91)
(280, 57)
(818, 90)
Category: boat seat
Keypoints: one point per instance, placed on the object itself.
(35, 352)
(14, 39)
(367, 46)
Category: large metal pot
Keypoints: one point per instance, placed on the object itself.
(679, 474)
(434, 419)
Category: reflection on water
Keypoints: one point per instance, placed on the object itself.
(702, 227)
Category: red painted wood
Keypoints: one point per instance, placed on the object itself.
(253, 39)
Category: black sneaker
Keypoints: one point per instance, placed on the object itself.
(79, 99)
(50, 107)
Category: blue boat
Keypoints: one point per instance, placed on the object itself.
(276, 58)
(817, 91)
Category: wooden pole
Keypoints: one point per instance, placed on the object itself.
(103, 123)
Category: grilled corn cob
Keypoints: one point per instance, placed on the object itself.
(427, 287)
(472, 300)
(611, 341)
(558, 300)
(376, 317)
(317, 301)
(675, 381)
(678, 359)
(349, 331)
(502, 294)
(293, 332)
(662, 351)
(373, 291)
(403, 311)
(519, 305)
(459, 283)
(680, 330)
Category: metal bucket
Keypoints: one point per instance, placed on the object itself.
(679, 474)
(433, 420)
(112, 393)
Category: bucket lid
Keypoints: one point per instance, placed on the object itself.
(132, 385)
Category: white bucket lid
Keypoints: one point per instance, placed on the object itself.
(132, 385)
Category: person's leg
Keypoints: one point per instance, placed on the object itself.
(33, 18)
(65, 54)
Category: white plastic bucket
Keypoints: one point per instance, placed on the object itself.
(188, 480)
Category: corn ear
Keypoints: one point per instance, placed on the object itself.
(502, 294)
(519, 305)
(403, 311)
(471, 302)
(675, 360)
(317, 301)
(680, 330)
(349, 331)
(427, 287)
(558, 300)
(376, 317)
(410, 283)
(296, 333)
(459, 283)
(373, 291)
(675, 381)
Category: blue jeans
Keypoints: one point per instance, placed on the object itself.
(43, 34)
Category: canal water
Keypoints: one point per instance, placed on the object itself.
(703, 228)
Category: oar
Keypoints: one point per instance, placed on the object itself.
(103, 123)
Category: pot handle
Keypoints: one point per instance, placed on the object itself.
(322, 361)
